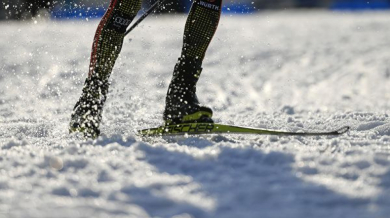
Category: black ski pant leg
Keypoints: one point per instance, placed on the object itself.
(199, 30)
(181, 100)
(201, 25)
(106, 47)
(109, 36)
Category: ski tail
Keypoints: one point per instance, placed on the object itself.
(214, 128)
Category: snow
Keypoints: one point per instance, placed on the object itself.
(285, 70)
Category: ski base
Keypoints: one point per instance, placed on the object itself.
(215, 128)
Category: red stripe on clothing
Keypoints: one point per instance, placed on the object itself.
(98, 34)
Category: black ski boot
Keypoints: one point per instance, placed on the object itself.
(87, 113)
(182, 104)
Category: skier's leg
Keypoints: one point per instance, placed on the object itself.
(201, 25)
(106, 47)
(182, 104)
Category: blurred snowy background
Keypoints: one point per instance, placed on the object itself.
(63, 9)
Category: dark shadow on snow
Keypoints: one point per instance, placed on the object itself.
(246, 182)
(382, 202)
(158, 206)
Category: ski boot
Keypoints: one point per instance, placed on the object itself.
(87, 113)
(182, 104)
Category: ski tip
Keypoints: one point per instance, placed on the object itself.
(343, 130)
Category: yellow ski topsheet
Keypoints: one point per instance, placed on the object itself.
(215, 128)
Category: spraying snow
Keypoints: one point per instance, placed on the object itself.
(280, 70)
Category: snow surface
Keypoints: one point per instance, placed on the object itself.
(281, 70)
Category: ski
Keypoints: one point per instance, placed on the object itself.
(215, 128)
